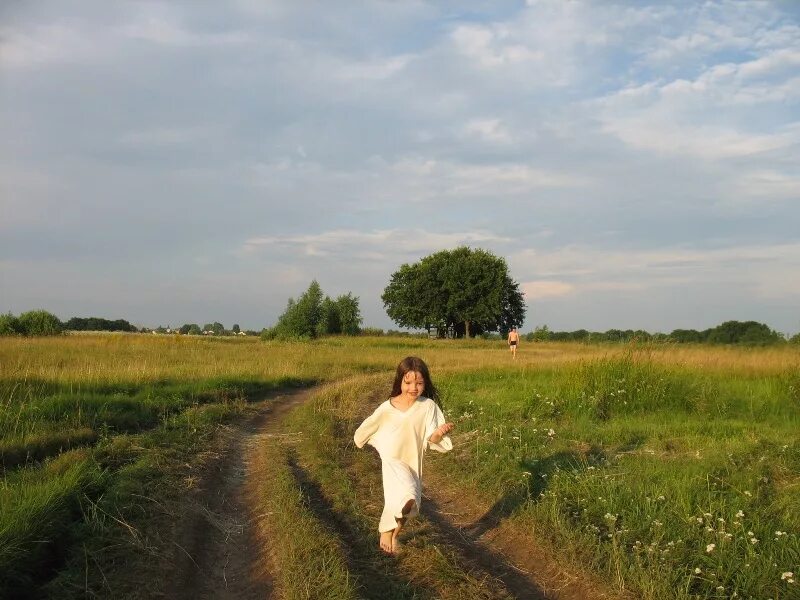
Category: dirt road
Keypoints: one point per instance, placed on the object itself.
(218, 554)
(222, 552)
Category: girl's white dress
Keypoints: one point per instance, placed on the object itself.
(401, 439)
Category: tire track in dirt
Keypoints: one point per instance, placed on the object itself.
(519, 584)
(218, 550)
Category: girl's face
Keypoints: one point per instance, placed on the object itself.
(413, 384)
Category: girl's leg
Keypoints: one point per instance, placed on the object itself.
(400, 522)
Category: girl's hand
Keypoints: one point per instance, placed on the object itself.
(440, 432)
(443, 430)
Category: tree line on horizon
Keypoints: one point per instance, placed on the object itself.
(456, 293)
(750, 333)
(43, 323)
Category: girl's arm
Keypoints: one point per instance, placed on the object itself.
(367, 429)
(437, 430)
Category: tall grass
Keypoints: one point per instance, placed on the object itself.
(673, 481)
(89, 425)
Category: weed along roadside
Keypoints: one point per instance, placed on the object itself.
(577, 472)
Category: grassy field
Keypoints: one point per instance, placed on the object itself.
(667, 472)
(670, 474)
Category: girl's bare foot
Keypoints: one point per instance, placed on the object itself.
(386, 541)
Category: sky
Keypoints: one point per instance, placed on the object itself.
(636, 163)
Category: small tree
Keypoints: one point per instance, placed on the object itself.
(541, 333)
(301, 317)
(235, 329)
(10, 325)
(40, 322)
(329, 322)
(314, 314)
(349, 314)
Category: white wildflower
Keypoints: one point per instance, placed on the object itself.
(710, 547)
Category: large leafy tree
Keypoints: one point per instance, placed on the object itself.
(468, 290)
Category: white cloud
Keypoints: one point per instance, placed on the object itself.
(764, 185)
(168, 136)
(687, 117)
(42, 45)
(536, 290)
(167, 31)
(373, 69)
(587, 269)
(490, 130)
(447, 178)
(490, 47)
(383, 244)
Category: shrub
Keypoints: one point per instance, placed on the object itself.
(372, 331)
(10, 325)
(40, 322)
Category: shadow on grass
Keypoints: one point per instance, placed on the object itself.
(467, 539)
(541, 471)
(373, 572)
(491, 562)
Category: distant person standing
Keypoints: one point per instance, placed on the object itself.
(513, 340)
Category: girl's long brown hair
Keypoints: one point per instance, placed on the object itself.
(414, 363)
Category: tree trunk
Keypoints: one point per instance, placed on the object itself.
(466, 325)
